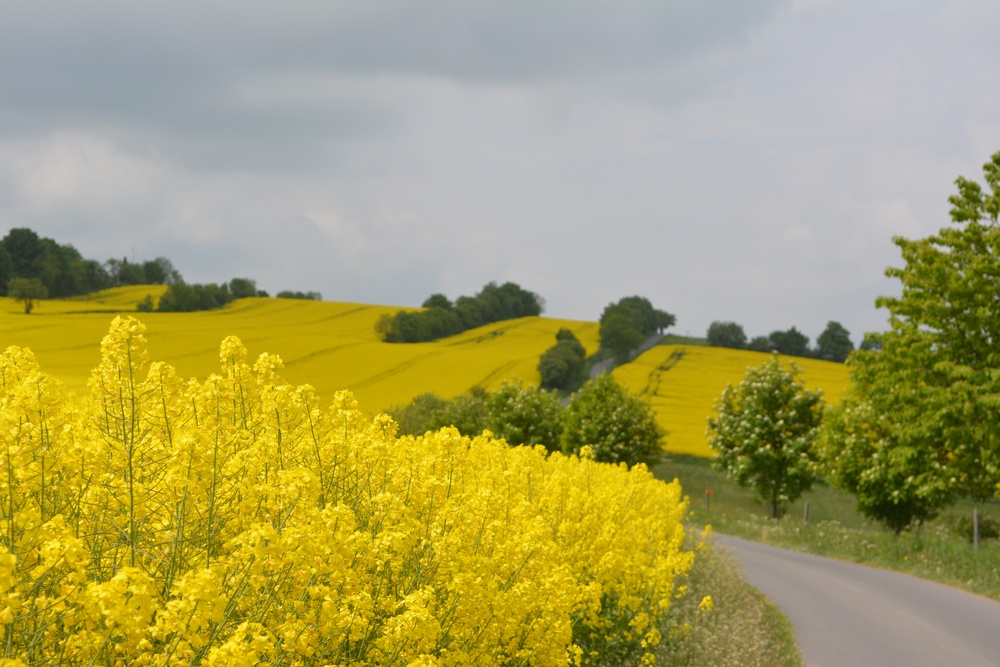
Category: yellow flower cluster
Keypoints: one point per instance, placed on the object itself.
(235, 521)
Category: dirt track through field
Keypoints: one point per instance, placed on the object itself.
(847, 614)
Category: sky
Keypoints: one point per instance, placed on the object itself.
(728, 160)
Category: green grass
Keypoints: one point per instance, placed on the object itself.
(940, 550)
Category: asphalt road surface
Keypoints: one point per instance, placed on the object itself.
(848, 615)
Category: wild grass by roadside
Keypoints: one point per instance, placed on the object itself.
(742, 628)
(941, 550)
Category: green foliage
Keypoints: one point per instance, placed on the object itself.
(894, 482)
(440, 318)
(563, 365)
(760, 344)
(922, 420)
(241, 288)
(26, 291)
(287, 294)
(834, 344)
(618, 332)
(793, 342)
(146, 305)
(763, 433)
(726, 334)
(525, 416)
(619, 427)
(626, 324)
(182, 298)
(422, 414)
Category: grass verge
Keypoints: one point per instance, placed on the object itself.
(940, 550)
(742, 628)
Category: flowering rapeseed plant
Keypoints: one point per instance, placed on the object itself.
(236, 521)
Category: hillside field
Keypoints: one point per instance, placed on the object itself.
(328, 345)
(332, 346)
(682, 382)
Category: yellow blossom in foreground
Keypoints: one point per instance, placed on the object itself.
(237, 521)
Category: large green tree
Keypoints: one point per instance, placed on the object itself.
(763, 432)
(925, 408)
(619, 427)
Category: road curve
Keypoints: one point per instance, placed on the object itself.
(847, 614)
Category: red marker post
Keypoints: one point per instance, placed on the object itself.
(708, 499)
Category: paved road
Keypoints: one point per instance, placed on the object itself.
(852, 615)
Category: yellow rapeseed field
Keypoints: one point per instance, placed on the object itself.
(330, 345)
(238, 520)
(682, 384)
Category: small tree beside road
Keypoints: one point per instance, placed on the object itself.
(763, 433)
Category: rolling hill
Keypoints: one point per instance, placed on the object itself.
(332, 346)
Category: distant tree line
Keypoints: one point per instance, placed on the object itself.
(625, 325)
(64, 272)
(34, 267)
(834, 344)
(441, 318)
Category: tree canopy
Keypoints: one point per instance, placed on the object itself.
(921, 421)
(726, 334)
(619, 427)
(834, 344)
(563, 365)
(26, 291)
(626, 324)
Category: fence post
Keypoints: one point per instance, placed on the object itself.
(805, 514)
(975, 529)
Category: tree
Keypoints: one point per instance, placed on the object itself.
(242, 288)
(793, 342)
(760, 344)
(620, 427)
(618, 332)
(563, 365)
(929, 399)
(26, 291)
(834, 344)
(422, 414)
(726, 334)
(437, 301)
(894, 482)
(763, 433)
(525, 416)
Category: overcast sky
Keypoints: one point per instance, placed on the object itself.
(745, 161)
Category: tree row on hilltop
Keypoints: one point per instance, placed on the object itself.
(64, 272)
(441, 318)
(834, 344)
